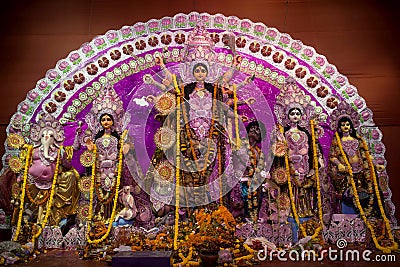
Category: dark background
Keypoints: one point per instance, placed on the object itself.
(360, 37)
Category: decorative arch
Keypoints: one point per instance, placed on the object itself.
(122, 57)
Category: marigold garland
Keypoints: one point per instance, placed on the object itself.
(211, 230)
(235, 110)
(319, 200)
(362, 213)
(185, 260)
(119, 171)
(22, 197)
(50, 202)
(376, 187)
(40, 202)
(178, 161)
(91, 193)
(246, 257)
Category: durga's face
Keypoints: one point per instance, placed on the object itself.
(294, 115)
(345, 126)
(106, 121)
(200, 73)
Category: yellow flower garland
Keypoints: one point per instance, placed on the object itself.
(22, 197)
(178, 160)
(119, 171)
(185, 260)
(376, 187)
(50, 202)
(40, 202)
(319, 201)
(235, 110)
(246, 257)
(91, 193)
(362, 213)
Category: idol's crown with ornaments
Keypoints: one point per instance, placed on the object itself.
(47, 122)
(291, 96)
(344, 109)
(199, 48)
(107, 102)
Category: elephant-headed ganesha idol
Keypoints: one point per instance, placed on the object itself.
(46, 189)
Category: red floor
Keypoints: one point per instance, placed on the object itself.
(62, 258)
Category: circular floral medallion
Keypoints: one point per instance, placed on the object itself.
(72, 109)
(84, 184)
(15, 141)
(279, 175)
(165, 103)
(83, 96)
(283, 201)
(15, 164)
(165, 172)
(164, 138)
(278, 149)
(166, 39)
(87, 158)
(60, 96)
(127, 49)
(83, 212)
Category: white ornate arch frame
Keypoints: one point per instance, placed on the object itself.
(68, 89)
